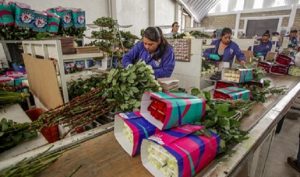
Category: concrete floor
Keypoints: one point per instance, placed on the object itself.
(284, 144)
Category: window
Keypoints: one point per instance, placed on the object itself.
(239, 5)
(258, 4)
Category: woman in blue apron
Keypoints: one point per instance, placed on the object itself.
(225, 49)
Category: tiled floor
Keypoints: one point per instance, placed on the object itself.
(284, 144)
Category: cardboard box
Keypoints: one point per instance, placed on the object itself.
(40, 22)
(237, 75)
(130, 129)
(224, 84)
(179, 109)
(248, 54)
(271, 56)
(265, 65)
(279, 69)
(283, 60)
(178, 153)
(232, 93)
(87, 49)
(7, 17)
(168, 84)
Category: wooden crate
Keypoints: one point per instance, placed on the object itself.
(87, 49)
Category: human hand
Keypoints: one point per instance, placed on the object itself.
(243, 63)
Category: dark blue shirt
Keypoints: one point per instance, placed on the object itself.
(263, 48)
(162, 67)
(229, 52)
(293, 42)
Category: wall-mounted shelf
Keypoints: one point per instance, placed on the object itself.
(51, 49)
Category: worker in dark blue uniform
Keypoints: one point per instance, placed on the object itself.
(225, 49)
(293, 39)
(155, 51)
(264, 47)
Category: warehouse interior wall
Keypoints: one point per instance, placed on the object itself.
(150, 13)
(165, 14)
(137, 13)
(133, 12)
(237, 14)
(219, 21)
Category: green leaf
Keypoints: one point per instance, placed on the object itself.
(195, 91)
(17, 138)
(137, 104)
(123, 87)
(222, 109)
(31, 134)
(141, 69)
(135, 90)
(224, 123)
(222, 144)
(4, 125)
(207, 96)
(130, 80)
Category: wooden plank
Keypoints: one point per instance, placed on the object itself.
(43, 80)
(103, 156)
(261, 109)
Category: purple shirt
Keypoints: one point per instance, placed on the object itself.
(229, 52)
(262, 48)
(163, 67)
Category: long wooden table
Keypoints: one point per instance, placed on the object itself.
(104, 157)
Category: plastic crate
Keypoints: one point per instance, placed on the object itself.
(237, 75)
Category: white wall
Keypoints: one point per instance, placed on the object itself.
(93, 8)
(165, 13)
(129, 12)
(133, 12)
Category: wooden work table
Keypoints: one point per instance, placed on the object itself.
(104, 157)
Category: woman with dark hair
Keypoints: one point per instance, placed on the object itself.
(175, 28)
(264, 47)
(174, 31)
(293, 39)
(155, 51)
(225, 49)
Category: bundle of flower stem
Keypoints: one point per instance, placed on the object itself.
(7, 87)
(7, 98)
(32, 166)
(13, 133)
(79, 112)
(240, 107)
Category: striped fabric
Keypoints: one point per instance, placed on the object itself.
(140, 127)
(180, 109)
(232, 93)
(191, 151)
